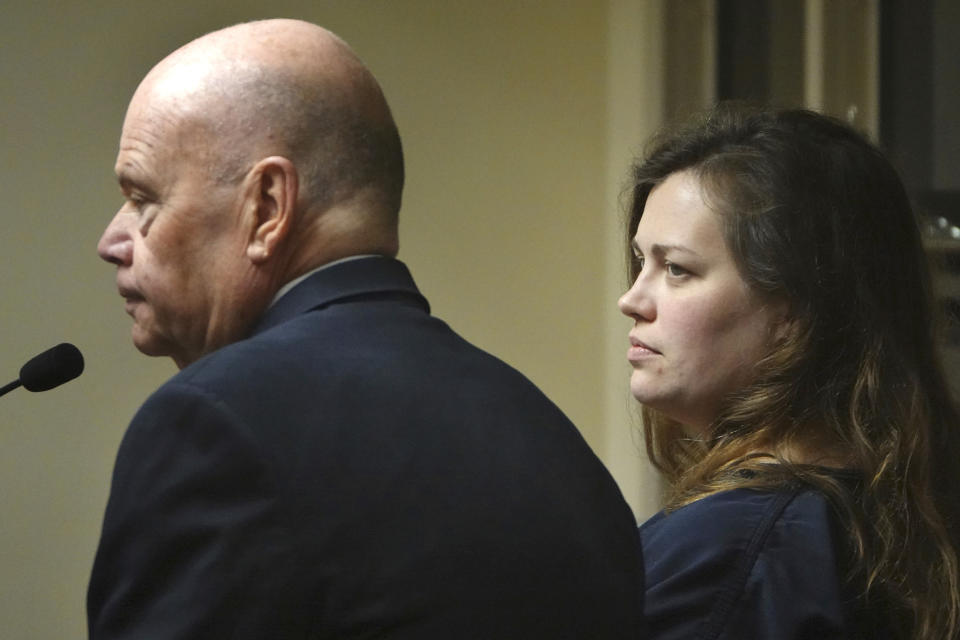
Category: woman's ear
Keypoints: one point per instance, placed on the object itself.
(272, 190)
(782, 322)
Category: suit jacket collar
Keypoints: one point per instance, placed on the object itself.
(364, 276)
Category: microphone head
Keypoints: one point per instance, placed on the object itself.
(52, 368)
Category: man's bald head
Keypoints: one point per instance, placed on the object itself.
(293, 89)
(247, 158)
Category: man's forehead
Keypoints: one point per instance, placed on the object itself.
(154, 142)
(145, 130)
(158, 123)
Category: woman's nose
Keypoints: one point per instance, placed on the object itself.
(637, 302)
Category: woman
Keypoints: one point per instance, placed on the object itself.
(783, 352)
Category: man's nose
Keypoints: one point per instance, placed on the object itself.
(116, 243)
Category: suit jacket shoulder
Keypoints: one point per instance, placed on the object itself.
(356, 469)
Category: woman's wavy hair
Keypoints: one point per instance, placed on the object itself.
(816, 217)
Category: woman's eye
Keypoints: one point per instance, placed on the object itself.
(675, 269)
(638, 262)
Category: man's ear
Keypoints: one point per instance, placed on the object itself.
(272, 189)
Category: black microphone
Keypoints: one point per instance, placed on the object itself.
(50, 369)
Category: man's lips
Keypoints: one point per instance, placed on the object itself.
(127, 292)
(130, 297)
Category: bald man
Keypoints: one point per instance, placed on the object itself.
(330, 461)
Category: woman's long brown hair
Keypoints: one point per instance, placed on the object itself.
(816, 216)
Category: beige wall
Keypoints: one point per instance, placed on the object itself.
(517, 123)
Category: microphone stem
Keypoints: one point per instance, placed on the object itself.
(9, 387)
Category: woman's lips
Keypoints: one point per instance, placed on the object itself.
(639, 350)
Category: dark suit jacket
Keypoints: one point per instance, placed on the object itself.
(355, 469)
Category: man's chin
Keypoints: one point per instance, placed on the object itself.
(148, 344)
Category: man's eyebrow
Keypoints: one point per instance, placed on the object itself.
(130, 182)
